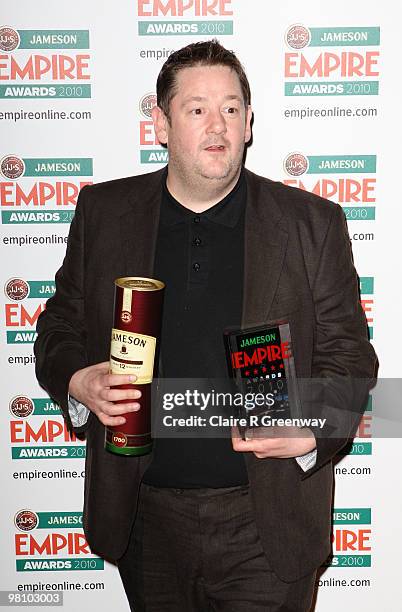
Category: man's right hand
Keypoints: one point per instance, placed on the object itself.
(92, 386)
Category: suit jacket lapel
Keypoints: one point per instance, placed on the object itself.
(139, 230)
(139, 226)
(266, 239)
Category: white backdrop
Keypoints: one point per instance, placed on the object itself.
(77, 81)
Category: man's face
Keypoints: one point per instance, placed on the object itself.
(209, 126)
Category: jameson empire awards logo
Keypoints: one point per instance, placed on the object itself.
(32, 67)
(350, 180)
(147, 137)
(20, 318)
(38, 431)
(22, 406)
(184, 17)
(351, 538)
(54, 541)
(332, 61)
(41, 190)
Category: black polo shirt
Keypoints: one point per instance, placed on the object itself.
(200, 258)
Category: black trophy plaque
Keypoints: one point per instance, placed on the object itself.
(260, 360)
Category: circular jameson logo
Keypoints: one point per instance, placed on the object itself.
(298, 36)
(296, 164)
(119, 439)
(21, 406)
(9, 39)
(26, 520)
(12, 167)
(147, 103)
(126, 316)
(16, 289)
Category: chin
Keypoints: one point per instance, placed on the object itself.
(217, 174)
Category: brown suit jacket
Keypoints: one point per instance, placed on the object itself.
(298, 265)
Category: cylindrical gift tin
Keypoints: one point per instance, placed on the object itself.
(135, 339)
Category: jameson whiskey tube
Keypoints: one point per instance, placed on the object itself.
(134, 343)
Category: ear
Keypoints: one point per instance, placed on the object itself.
(160, 124)
(247, 132)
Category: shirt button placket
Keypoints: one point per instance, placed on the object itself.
(198, 265)
(196, 242)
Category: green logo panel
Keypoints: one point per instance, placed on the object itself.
(185, 28)
(45, 406)
(46, 565)
(342, 164)
(344, 37)
(331, 88)
(21, 337)
(351, 516)
(75, 451)
(357, 449)
(58, 166)
(350, 561)
(45, 91)
(40, 289)
(59, 520)
(359, 213)
(154, 156)
(367, 285)
(54, 39)
(23, 217)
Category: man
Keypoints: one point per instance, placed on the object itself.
(207, 524)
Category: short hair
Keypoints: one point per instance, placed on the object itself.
(204, 53)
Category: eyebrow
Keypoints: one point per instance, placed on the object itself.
(203, 98)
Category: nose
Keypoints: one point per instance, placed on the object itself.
(216, 123)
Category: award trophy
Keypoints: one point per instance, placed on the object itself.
(261, 363)
(134, 344)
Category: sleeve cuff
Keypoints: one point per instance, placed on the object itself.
(307, 461)
(78, 412)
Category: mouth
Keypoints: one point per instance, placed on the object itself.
(215, 148)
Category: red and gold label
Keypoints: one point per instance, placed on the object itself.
(132, 353)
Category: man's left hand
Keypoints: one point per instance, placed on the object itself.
(276, 442)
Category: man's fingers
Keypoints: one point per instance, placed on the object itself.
(103, 366)
(238, 443)
(113, 414)
(116, 395)
(111, 421)
(110, 409)
(256, 445)
(246, 445)
(113, 380)
(251, 446)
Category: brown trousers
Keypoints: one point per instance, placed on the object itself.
(198, 550)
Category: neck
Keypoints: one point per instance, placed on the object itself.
(199, 198)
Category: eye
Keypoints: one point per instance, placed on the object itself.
(231, 110)
(196, 111)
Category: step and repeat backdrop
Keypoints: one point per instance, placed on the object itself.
(77, 86)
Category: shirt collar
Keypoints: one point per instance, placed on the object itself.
(226, 212)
